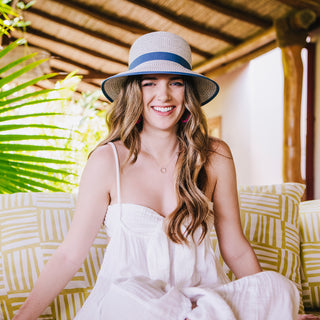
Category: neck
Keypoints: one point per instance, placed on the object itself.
(159, 145)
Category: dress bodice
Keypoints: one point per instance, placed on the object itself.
(143, 248)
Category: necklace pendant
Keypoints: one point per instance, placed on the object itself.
(163, 170)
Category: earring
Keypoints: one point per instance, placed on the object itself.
(139, 120)
(185, 120)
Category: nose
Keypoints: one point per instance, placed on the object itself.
(163, 93)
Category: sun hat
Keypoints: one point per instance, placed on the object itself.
(164, 53)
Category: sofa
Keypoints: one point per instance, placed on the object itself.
(284, 232)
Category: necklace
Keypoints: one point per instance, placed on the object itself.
(163, 168)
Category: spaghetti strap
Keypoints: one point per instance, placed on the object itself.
(118, 170)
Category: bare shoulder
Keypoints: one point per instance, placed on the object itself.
(219, 151)
(220, 165)
(101, 152)
(100, 171)
(102, 157)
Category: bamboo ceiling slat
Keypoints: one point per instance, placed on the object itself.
(236, 13)
(71, 25)
(94, 36)
(81, 7)
(58, 48)
(79, 40)
(186, 22)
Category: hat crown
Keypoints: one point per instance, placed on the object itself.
(160, 41)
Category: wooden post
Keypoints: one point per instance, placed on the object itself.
(293, 71)
(291, 36)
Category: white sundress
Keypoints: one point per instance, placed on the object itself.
(146, 276)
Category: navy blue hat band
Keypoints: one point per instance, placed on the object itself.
(160, 56)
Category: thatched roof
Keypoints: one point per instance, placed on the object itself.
(94, 36)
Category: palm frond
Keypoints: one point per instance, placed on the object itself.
(22, 166)
(33, 159)
(17, 164)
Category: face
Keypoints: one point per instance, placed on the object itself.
(163, 97)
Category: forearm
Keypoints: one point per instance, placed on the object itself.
(52, 280)
(244, 262)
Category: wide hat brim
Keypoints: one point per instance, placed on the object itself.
(207, 88)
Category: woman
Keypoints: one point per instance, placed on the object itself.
(152, 182)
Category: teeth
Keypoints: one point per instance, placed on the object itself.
(163, 109)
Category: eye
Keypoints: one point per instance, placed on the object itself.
(146, 83)
(177, 83)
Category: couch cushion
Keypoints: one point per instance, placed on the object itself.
(32, 225)
(269, 217)
(310, 252)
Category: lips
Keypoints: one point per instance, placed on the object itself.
(163, 109)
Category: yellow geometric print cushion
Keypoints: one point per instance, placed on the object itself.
(269, 217)
(32, 226)
(310, 253)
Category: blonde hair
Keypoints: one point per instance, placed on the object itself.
(190, 174)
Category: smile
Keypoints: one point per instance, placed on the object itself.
(163, 109)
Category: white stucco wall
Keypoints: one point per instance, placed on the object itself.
(232, 104)
(250, 103)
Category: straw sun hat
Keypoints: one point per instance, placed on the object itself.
(163, 53)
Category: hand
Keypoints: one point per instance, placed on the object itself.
(307, 317)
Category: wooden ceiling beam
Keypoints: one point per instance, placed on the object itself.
(64, 23)
(88, 71)
(236, 13)
(123, 23)
(243, 49)
(81, 88)
(238, 63)
(87, 77)
(74, 46)
(50, 84)
(304, 4)
(67, 59)
(187, 22)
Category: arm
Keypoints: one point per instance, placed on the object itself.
(234, 247)
(93, 199)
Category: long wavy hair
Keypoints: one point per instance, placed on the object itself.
(124, 123)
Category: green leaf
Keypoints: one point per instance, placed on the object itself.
(27, 182)
(35, 167)
(27, 158)
(7, 186)
(24, 85)
(22, 126)
(16, 62)
(12, 172)
(11, 46)
(20, 72)
(27, 147)
(21, 137)
(27, 96)
(31, 115)
(23, 6)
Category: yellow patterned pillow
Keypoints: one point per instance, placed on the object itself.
(269, 217)
(310, 252)
(32, 226)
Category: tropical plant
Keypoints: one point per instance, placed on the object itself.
(21, 171)
(10, 18)
(83, 116)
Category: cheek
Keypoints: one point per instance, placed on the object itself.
(146, 97)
